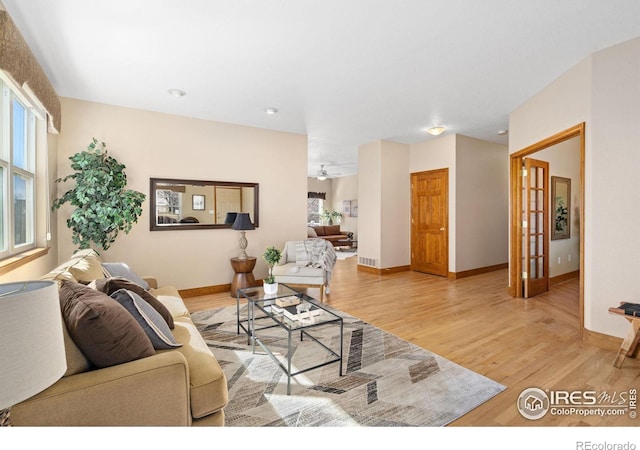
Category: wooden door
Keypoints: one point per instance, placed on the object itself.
(430, 222)
(228, 199)
(535, 227)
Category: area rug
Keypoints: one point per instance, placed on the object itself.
(386, 381)
(344, 254)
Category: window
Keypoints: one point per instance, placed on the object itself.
(314, 208)
(17, 172)
(315, 204)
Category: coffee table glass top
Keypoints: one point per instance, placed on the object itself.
(304, 312)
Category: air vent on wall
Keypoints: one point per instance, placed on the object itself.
(367, 261)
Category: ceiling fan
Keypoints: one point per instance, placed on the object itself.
(323, 174)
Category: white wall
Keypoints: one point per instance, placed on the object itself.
(604, 92)
(160, 145)
(481, 204)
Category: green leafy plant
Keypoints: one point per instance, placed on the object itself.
(331, 216)
(272, 256)
(103, 205)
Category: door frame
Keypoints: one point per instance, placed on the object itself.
(515, 252)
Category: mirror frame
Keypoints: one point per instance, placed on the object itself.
(154, 182)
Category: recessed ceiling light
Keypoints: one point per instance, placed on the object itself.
(271, 110)
(435, 131)
(177, 92)
(503, 132)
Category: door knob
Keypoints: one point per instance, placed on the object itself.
(442, 229)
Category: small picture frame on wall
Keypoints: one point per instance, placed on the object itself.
(354, 208)
(197, 202)
(561, 208)
(346, 208)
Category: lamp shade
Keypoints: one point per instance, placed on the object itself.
(32, 353)
(243, 222)
(231, 217)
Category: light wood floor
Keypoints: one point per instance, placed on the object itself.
(475, 323)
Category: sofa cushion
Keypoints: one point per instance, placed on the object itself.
(208, 382)
(331, 230)
(113, 284)
(123, 270)
(76, 361)
(106, 333)
(170, 298)
(311, 232)
(85, 265)
(151, 321)
(319, 230)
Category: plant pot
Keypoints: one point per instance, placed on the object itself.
(270, 288)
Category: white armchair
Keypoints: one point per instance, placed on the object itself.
(306, 263)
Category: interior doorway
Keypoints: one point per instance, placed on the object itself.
(518, 261)
(430, 222)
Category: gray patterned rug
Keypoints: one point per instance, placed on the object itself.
(386, 380)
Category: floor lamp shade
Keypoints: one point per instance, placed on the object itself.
(32, 353)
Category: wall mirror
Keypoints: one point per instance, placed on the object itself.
(197, 204)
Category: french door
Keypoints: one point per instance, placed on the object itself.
(535, 227)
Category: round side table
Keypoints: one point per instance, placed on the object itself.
(243, 277)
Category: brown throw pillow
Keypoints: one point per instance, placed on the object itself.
(111, 285)
(103, 329)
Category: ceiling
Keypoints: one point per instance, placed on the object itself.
(342, 72)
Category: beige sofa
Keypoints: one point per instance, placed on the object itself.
(178, 386)
(306, 263)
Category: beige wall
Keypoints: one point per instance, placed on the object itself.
(160, 145)
(601, 91)
(395, 206)
(315, 185)
(369, 203)
(436, 154)
(345, 188)
(481, 204)
(478, 197)
(564, 161)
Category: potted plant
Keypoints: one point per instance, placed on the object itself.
(104, 207)
(331, 217)
(272, 256)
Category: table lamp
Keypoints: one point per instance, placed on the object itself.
(243, 223)
(32, 353)
(230, 218)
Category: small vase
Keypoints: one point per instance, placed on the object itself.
(270, 288)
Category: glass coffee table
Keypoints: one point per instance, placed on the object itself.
(292, 312)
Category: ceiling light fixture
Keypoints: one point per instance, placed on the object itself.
(271, 111)
(177, 92)
(503, 132)
(322, 174)
(435, 131)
